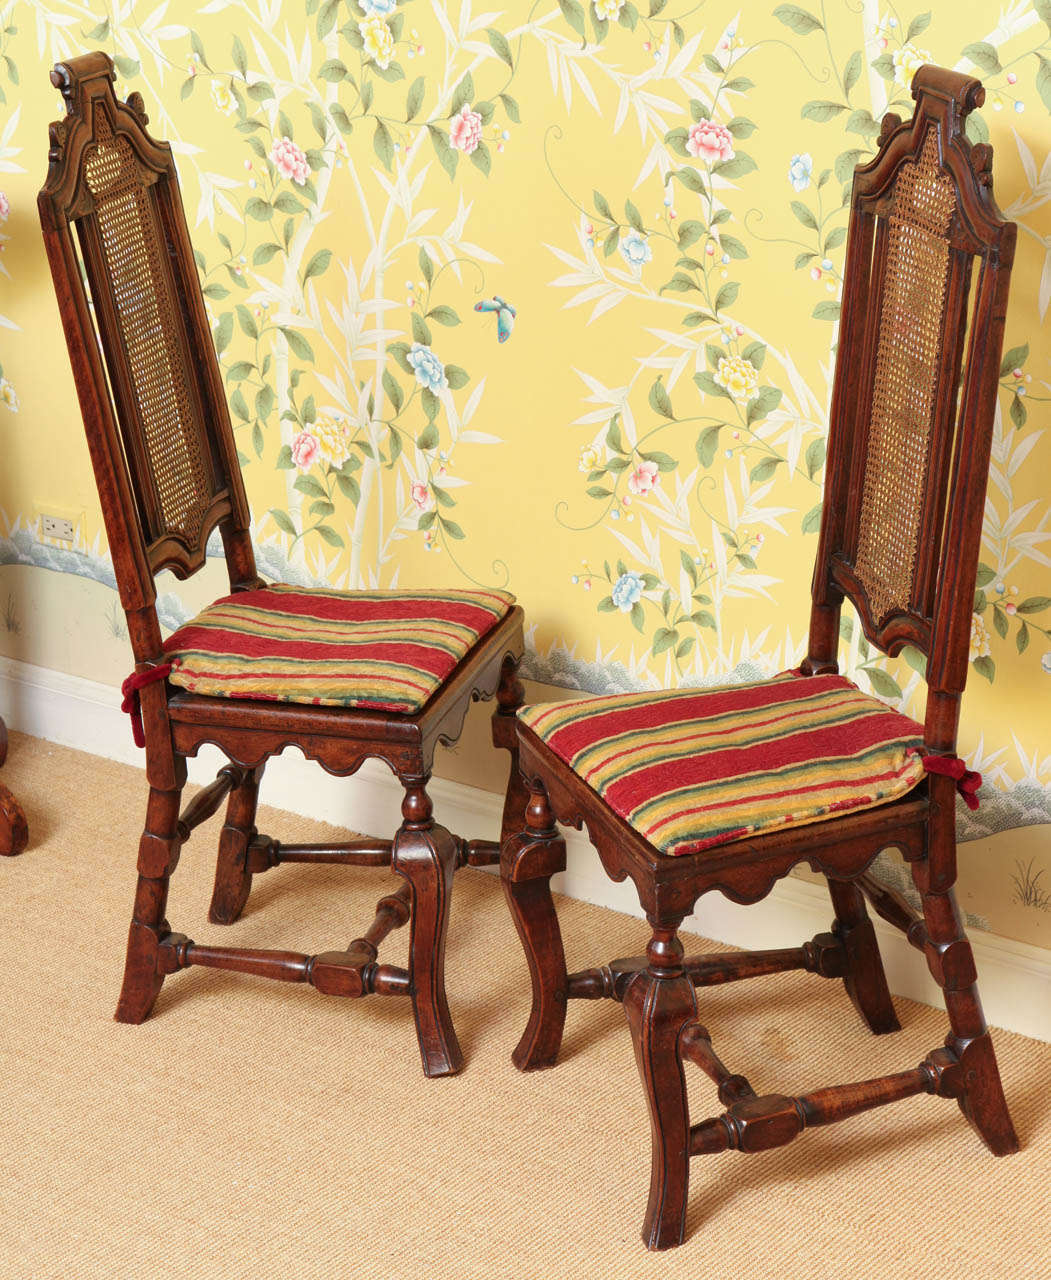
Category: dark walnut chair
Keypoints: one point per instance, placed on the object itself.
(343, 676)
(727, 789)
(14, 834)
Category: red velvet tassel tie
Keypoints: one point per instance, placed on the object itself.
(967, 781)
(132, 705)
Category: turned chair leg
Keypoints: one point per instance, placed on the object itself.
(864, 979)
(426, 855)
(510, 695)
(528, 861)
(158, 857)
(659, 1002)
(233, 880)
(14, 833)
(980, 1092)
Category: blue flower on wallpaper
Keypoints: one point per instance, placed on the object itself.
(430, 372)
(377, 8)
(799, 171)
(1045, 662)
(627, 590)
(635, 249)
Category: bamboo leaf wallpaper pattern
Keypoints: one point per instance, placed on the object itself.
(545, 295)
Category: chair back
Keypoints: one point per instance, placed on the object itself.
(145, 367)
(924, 299)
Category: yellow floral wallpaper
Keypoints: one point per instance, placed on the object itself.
(543, 295)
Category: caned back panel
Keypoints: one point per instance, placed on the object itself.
(916, 338)
(170, 454)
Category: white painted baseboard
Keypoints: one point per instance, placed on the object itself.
(1015, 977)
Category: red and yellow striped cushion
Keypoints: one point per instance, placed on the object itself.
(693, 769)
(385, 649)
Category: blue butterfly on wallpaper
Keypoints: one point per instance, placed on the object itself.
(505, 315)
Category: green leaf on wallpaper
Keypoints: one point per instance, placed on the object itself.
(350, 488)
(613, 436)
(573, 12)
(629, 16)
(283, 521)
(427, 519)
(463, 95)
(764, 470)
(127, 67)
(597, 491)
(311, 487)
(333, 71)
(421, 331)
(264, 252)
(664, 638)
(443, 315)
(727, 295)
(261, 91)
(284, 458)
(446, 153)
(239, 57)
(456, 376)
(732, 246)
(247, 321)
(714, 354)
(383, 144)
(798, 20)
(322, 507)
(677, 34)
(985, 667)
(812, 520)
(431, 405)
(815, 457)
(1034, 604)
(679, 283)
(739, 84)
(985, 575)
(297, 344)
(343, 122)
(735, 168)
(400, 352)
(443, 499)
(415, 98)
(481, 158)
(826, 311)
(834, 239)
(326, 19)
(975, 129)
(660, 401)
(703, 618)
(845, 162)
(852, 71)
(257, 439)
(656, 6)
(688, 566)
(606, 605)
(664, 461)
(215, 292)
(601, 27)
(690, 232)
(393, 390)
(765, 402)
(239, 406)
(689, 177)
(710, 387)
(426, 265)
(239, 371)
(1000, 623)
(394, 442)
(804, 215)
(707, 444)
(864, 122)
(451, 529)
(713, 64)
(918, 25)
(755, 354)
(693, 318)
(187, 87)
(265, 399)
(676, 139)
(984, 57)
(638, 617)
(286, 202)
(330, 535)
(223, 332)
(741, 127)
(883, 66)
(318, 264)
(499, 45)
(602, 206)
(390, 74)
(699, 111)
(821, 110)
(618, 464)
(511, 107)
(1022, 638)
(1043, 80)
(428, 438)
(101, 32)
(609, 245)
(683, 650)
(1014, 359)
(882, 683)
(1018, 412)
(633, 216)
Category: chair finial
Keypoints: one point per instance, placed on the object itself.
(74, 78)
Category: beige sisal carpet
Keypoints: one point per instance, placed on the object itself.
(251, 1129)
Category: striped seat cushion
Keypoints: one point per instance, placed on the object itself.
(693, 769)
(385, 649)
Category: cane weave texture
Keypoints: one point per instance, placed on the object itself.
(385, 649)
(690, 770)
(909, 358)
(168, 423)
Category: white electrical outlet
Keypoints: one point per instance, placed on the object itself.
(56, 527)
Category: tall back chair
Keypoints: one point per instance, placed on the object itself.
(342, 675)
(728, 789)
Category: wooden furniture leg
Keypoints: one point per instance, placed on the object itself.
(426, 855)
(864, 979)
(977, 1087)
(527, 863)
(233, 877)
(659, 1003)
(509, 696)
(14, 834)
(159, 847)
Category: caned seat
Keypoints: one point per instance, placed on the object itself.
(343, 676)
(389, 650)
(688, 792)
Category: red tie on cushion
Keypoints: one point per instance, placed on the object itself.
(131, 704)
(967, 781)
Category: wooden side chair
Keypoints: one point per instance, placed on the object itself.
(688, 792)
(344, 676)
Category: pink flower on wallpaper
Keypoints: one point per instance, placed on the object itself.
(710, 141)
(465, 132)
(421, 495)
(290, 161)
(305, 450)
(643, 478)
(5, 207)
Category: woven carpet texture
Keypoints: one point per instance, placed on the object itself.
(255, 1129)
